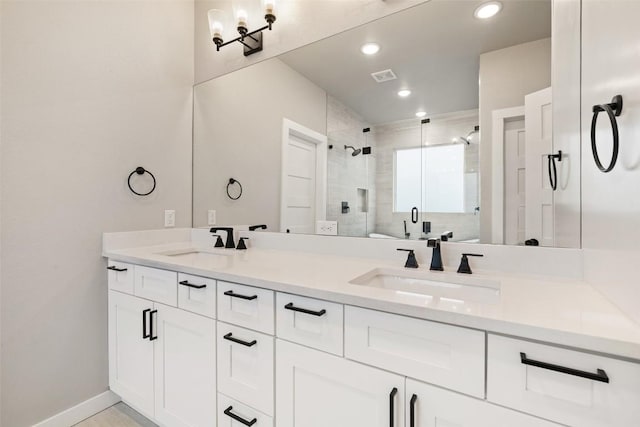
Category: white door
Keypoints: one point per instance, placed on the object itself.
(303, 187)
(514, 184)
(539, 143)
(131, 351)
(185, 368)
(435, 407)
(316, 389)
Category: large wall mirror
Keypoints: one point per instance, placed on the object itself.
(447, 128)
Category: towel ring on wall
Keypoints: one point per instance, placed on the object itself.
(140, 171)
(613, 110)
(231, 182)
(553, 172)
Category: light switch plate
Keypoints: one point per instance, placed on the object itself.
(169, 218)
(211, 217)
(329, 228)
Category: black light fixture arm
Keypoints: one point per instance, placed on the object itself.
(241, 38)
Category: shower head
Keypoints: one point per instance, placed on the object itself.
(468, 138)
(356, 151)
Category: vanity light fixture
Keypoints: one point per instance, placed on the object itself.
(403, 93)
(421, 114)
(487, 10)
(370, 48)
(251, 40)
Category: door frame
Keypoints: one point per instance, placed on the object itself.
(499, 118)
(291, 128)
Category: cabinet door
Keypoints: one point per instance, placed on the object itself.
(430, 406)
(130, 353)
(315, 389)
(185, 368)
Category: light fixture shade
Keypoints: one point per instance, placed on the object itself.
(216, 23)
(269, 7)
(241, 10)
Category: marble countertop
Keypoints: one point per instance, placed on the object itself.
(567, 312)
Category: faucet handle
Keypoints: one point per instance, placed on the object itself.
(412, 262)
(219, 242)
(464, 267)
(241, 244)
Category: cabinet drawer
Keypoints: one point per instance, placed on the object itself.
(447, 356)
(565, 397)
(229, 408)
(311, 322)
(197, 294)
(246, 306)
(245, 366)
(120, 276)
(157, 285)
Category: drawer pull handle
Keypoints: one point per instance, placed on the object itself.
(234, 295)
(412, 411)
(230, 337)
(191, 285)
(152, 337)
(114, 268)
(392, 411)
(239, 419)
(145, 335)
(599, 376)
(291, 307)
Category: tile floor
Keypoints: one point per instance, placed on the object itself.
(119, 415)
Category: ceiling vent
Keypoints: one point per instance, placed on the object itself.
(383, 76)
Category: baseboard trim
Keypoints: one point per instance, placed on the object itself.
(81, 411)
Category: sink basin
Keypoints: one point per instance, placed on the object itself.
(432, 286)
(195, 256)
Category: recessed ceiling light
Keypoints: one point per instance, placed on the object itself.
(370, 48)
(487, 10)
(421, 114)
(404, 93)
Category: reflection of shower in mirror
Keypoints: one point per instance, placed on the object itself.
(469, 139)
(356, 151)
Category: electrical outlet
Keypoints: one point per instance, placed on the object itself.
(329, 228)
(169, 218)
(211, 217)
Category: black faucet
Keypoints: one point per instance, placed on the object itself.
(436, 256)
(411, 259)
(229, 230)
(446, 236)
(464, 263)
(257, 227)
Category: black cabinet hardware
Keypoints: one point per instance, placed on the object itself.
(553, 171)
(230, 337)
(234, 295)
(412, 411)
(392, 411)
(191, 285)
(238, 418)
(291, 307)
(145, 335)
(613, 110)
(411, 262)
(601, 375)
(152, 337)
(114, 268)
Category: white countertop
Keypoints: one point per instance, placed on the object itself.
(566, 312)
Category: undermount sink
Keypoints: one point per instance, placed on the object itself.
(197, 256)
(432, 286)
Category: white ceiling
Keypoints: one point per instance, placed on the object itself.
(433, 48)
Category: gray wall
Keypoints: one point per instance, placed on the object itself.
(90, 90)
(238, 133)
(506, 76)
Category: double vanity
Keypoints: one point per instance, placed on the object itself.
(202, 336)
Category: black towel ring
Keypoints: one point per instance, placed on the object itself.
(613, 110)
(140, 170)
(553, 172)
(231, 182)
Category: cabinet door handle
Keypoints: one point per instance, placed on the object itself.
(392, 411)
(230, 337)
(145, 335)
(601, 375)
(234, 295)
(191, 285)
(114, 268)
(152, 337)
(412, 411)
(239, 419)
(291, 307)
